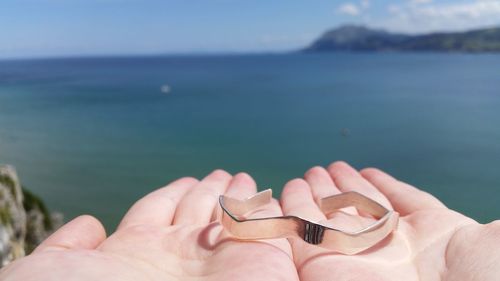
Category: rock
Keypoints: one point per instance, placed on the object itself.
(24, 220)
(12, 217)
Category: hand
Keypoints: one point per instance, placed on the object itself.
(168, 235)
(432, 242)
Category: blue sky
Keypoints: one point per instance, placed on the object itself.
(38, 28)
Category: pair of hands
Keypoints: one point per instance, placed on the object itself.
(172, 234)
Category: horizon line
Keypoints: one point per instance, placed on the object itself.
(159, 54)
(227, 52)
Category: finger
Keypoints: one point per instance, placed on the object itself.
(404, 198)
(158, 207)
(241, 186)
(323, 186)
(348, 179)
(197, 207)
(83, 232)
(297, 200)
(321, 183)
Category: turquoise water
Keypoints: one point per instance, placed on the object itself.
(93, 135)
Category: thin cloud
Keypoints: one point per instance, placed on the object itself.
(349, 9)
(418, 2)
(428, 17)
(353, 9)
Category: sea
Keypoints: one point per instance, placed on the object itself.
(93, 135)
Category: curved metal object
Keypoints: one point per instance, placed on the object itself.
(344, 242)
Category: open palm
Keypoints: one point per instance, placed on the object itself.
(171, 234)
(432, 242)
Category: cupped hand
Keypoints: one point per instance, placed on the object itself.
(432, 242)
(171, 234)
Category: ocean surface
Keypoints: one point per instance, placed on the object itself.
(92, 135)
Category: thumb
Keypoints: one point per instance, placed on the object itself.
(83, 232)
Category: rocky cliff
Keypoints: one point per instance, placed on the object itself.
(24, 219)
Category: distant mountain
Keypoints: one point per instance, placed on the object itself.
(360, 38)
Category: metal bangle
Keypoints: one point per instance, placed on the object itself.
(345, 242)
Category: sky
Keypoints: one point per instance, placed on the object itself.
(48, 28)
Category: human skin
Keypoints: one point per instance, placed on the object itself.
(171, 234)
(432, 242)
